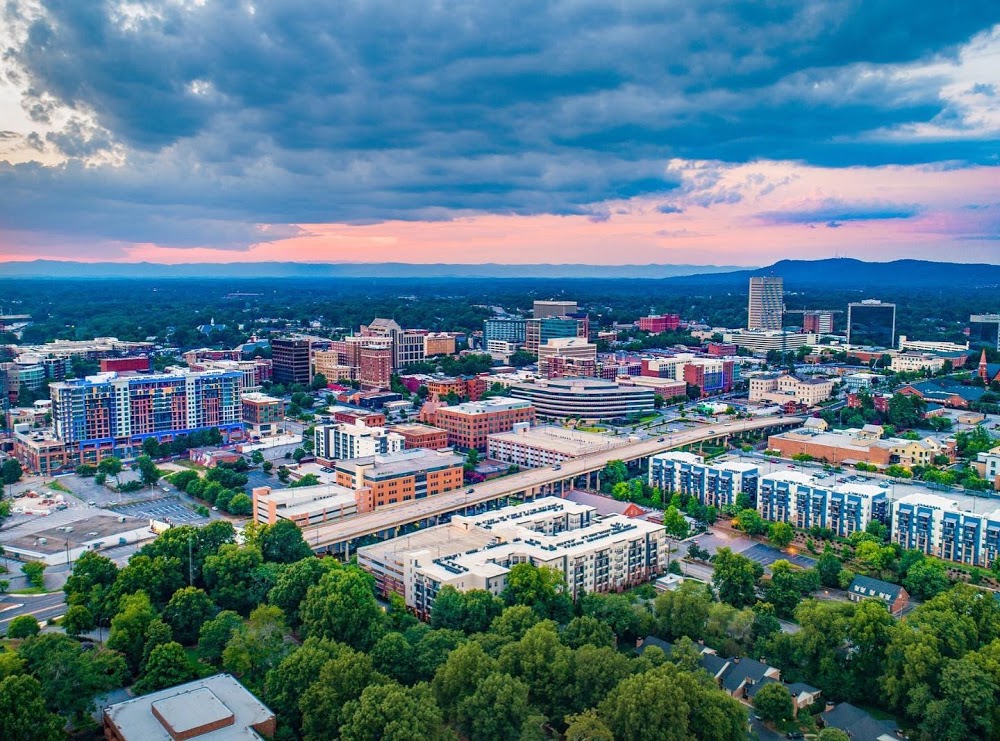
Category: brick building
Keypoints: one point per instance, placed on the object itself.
(422, 436)
(468, 425)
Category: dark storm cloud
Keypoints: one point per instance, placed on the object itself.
(359, 112)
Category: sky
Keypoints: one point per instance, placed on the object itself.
(721, 132)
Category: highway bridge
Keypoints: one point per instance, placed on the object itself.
(341, 537)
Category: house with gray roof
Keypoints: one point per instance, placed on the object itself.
(893, 596)
(859, 725)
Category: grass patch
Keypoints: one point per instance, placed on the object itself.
(190, 464)
(33, 590)
(59, 486)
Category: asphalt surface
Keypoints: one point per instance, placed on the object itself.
(766, 555)
(43, 607)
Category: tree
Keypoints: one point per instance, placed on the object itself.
(829, 567)
(925, 579)
(324, 705)
(342, 606)
(128, 629)
(318, 382)
(674, 523)
(587, 726)
(538, 588)
(735, 577)
(23, 626)
(240, 505)
(149, 474)
(151, 447)
(666, 704)
(391, 712)
(35, 573)
(111, 467)
(587, 630)
(496, 710)
(832, 734)
(282, 543)
(541, 661)
(187, 611)
(750, 522)
(258, 647)
(237, 578)
(78, 619)
(11, 471)
(23, 715)
(293, 582)
(158, 633)
(288, 681)
(773, 703)
(781, 534)
(471, 459)
(593, 673)
(615, 610)
(615, 472)
(69, 675)
(167, 666)
(460, 674)
(216, 633)
(310, 479)
(684, 611)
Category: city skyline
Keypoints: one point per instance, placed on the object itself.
(724, 134)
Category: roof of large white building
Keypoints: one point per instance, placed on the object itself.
(559, 439)
(192, 710)
(515, 534)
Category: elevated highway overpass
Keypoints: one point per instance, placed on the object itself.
(341, 537)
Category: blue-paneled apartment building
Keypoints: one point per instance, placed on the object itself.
(930, 523)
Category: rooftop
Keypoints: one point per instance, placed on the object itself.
(399, 464)
(486, 406)
(560, 439)
(217, 708)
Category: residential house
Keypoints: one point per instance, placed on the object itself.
(892, 595)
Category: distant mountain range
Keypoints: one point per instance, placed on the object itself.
(832, 273)
(843, 272)
(70, 269)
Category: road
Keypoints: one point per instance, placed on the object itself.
(42, 606)
(533, 482)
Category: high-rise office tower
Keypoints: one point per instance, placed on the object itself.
(871, 322)
(766, 302)
(290, 357)
(984, 331)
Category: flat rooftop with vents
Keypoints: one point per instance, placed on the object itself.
(216, 708)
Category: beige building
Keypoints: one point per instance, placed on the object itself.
(439, 343)
(592, 553)
(907, 362)
(567, 356)
(778, 387)
(328, 363)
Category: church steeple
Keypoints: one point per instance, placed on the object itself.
(983, 372)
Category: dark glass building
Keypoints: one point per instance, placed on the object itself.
(871, 323)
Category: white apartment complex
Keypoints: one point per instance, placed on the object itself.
(346, 441)
(593, 554)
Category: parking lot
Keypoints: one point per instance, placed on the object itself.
(165, 509)
(766, 555)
